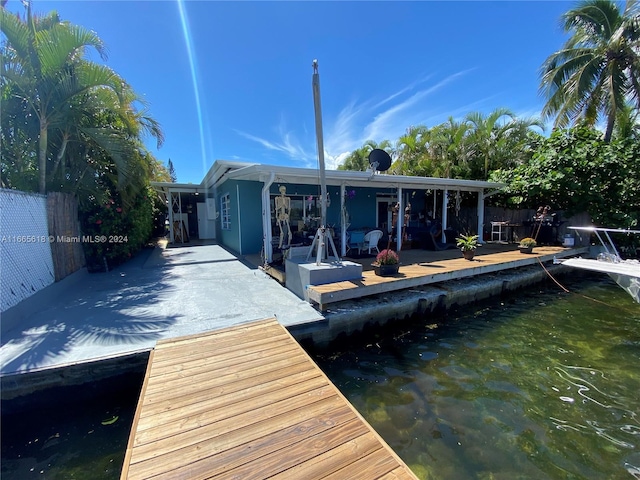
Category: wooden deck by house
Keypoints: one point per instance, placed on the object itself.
(248, 402)
(449, 265)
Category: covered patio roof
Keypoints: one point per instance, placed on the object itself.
(163, 188)
(310, 176)
(223, 170)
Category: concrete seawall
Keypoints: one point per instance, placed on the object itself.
(352, 316)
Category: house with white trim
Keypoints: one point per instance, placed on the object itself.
(235, 203)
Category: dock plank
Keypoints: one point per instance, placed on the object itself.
(245, 445)
(232, 369)
(225, 410)
(377, 463)
(197, 416)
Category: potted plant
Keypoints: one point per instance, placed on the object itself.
(387, 263)
(526, 245)
(467, 244)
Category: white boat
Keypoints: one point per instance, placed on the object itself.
(625, 273)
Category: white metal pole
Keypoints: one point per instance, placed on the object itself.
(320, 141)
(399, 220)
(435, 195)
(171, 233)
(267, 234)
(445, 201)
(343, 227)
(481, 217)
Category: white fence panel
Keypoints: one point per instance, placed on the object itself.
(26, 265)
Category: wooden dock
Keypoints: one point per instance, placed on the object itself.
(248, 403)
(413, 275)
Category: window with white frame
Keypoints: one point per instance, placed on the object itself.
(225, 211)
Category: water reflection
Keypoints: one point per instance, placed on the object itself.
(538, 386)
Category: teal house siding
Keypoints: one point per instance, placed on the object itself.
(362, 208)
(250, 194)
(229, 238)
(245, 235)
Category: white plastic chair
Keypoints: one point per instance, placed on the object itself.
(371, 240)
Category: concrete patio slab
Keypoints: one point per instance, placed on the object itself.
(160, 294)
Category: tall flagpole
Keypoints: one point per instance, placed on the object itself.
(322, 238)
(319, 138)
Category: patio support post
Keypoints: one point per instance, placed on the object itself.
(399, 217)
(481, 217)
(435, 201)
(171, 239)
(445, 201)
(343, 227)
(266, 218)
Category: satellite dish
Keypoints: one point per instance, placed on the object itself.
(379, 160)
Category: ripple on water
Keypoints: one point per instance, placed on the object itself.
(459, 373)
(428, 355)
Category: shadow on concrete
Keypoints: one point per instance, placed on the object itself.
(114, 309)
(158, 294)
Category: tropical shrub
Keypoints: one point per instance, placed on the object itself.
(387, 257)
(117, 231)
(576, 171)
(467, 243)
(528, 242)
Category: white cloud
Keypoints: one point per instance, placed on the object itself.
(408, 88)
(358, 122)
(287, 144)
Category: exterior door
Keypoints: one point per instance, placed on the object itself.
(206, 226)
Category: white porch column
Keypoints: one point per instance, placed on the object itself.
(399, 220)
(266, 218)
(343, 226)
(481, 216)
(435, 209)
(170, 201)
(445, 200)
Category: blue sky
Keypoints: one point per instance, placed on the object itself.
(383, 67)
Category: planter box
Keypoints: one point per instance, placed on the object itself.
(525, 249)
(468, 254)
(386, 270)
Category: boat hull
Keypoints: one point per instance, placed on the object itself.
(626, 273)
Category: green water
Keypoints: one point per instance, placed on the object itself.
(73, 432)
(544, 385)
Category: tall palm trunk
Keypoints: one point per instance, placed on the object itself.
(60, 155)
(610, 123)
(42, 156)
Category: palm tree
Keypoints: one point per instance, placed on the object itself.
(486, 132)
(43, 69)
(99, 142)
(492, 140)
(627, 124)
(598, 70)
(411, 150)
(448, 147)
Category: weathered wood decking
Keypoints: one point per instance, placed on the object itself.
(248, 402)
(424, 273)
